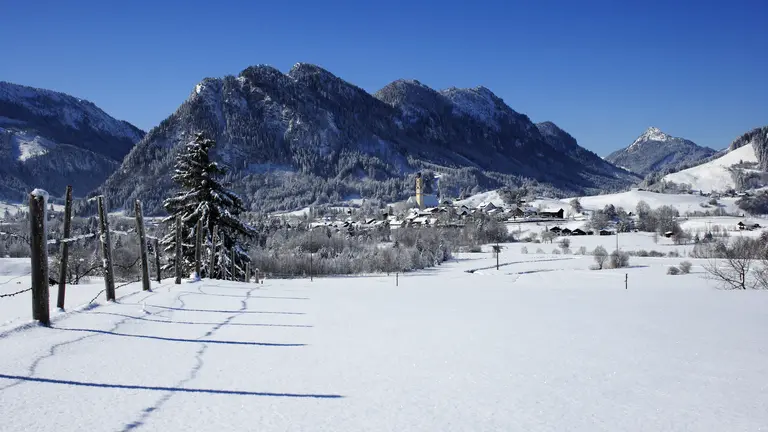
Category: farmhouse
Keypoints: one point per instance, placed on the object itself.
(552, 213)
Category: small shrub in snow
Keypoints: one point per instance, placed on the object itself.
(673, 271)
(537, 241)
(673, 254)
(642, 253)
(601, 256)
(581, 251)
(555, 251)
(685, 267)
(565, 243)
(655, 254)
(540, 251)
(566, 251)
(619, 259)
(524, 250)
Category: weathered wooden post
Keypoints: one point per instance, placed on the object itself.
(65, 249)
(497, 252)
(157, 260)
(198, 247)
(39, 249)
(179, 240)
(145, 284)
(212, 265)
(247, 271)
(106, 250)
(234, 267)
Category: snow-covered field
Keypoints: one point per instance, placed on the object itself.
(543, 344)
(13, 208)
(628, 200)
(714, 175)
(16, 310)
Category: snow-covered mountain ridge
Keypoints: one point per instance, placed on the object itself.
(339, 140)
(50, 139)
(656, 151)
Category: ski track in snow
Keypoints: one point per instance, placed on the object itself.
(567, 348)
(147, 412)
(32, 369)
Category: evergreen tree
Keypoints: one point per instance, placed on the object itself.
(203, 197)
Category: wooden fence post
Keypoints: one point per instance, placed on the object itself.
(145, 284)
(39, 248)
(177, 264)
(198, 247)
(65, 249)
(157, 260)
(212, 264)
(233, 263)
(106, 251)
(247, 272)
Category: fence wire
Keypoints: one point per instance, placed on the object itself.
(16, 293)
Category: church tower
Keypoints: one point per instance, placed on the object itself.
(419, 192)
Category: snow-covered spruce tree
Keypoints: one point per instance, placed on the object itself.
(203, 197)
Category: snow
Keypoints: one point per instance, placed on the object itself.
(651, 134)
(40, 193)
(73, 112)
(541, 344)
(485, 197)
(682, 202)
(477, 103)
(27, 145)
(714, 175)
(16, 311)
(628, 200)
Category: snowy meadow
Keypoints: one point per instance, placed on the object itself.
(543, 343)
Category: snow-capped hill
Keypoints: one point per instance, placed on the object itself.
(722, 173)
(28, 107)
(655, 151)
(50, 139)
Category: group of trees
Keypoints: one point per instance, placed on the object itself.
(754, 204)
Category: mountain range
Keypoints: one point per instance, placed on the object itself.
(307, 137)
(49, 139)
(656, 151)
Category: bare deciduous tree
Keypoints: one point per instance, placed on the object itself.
(737, 266)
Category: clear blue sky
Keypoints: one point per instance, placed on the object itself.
(602, 70)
